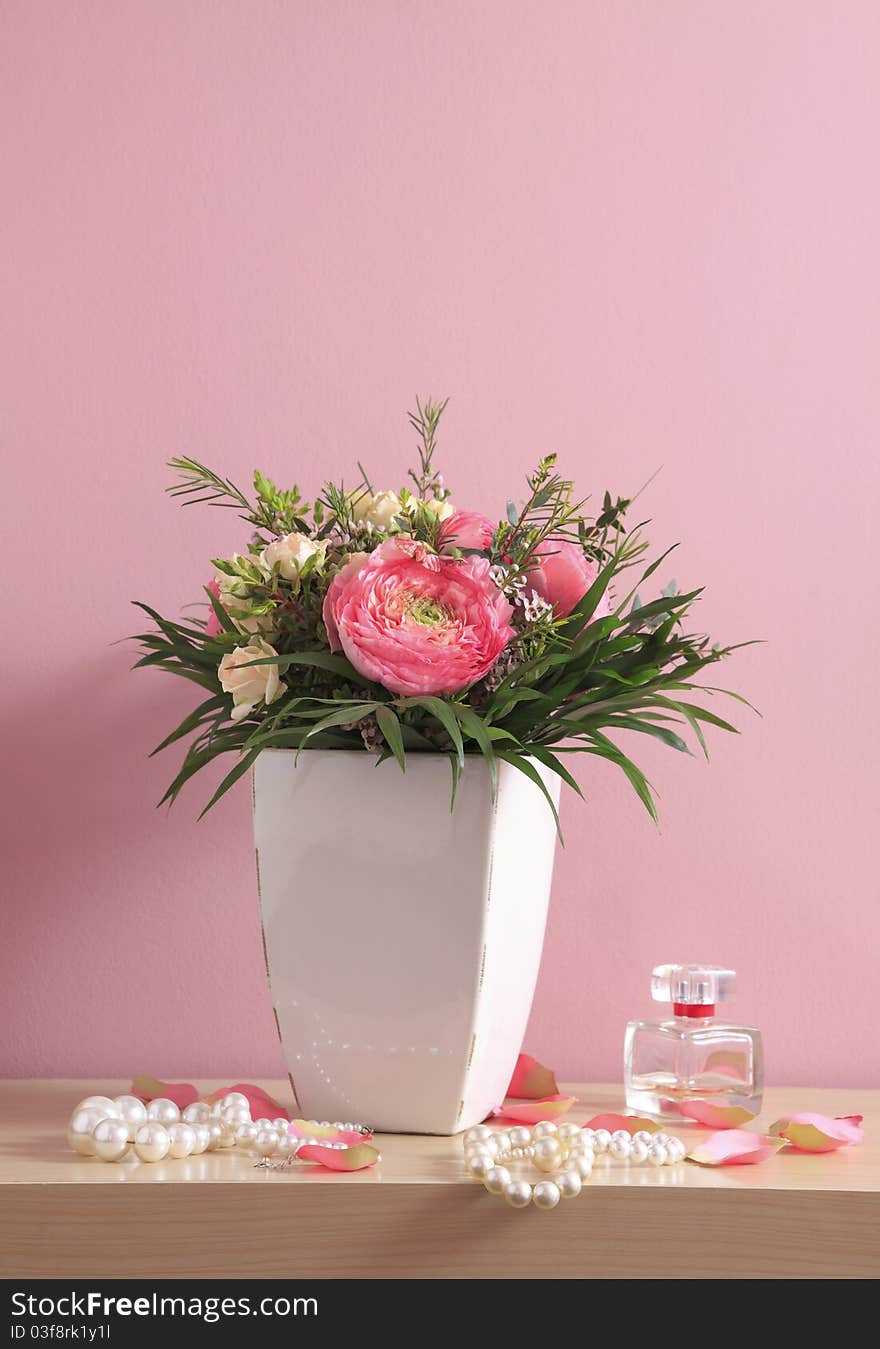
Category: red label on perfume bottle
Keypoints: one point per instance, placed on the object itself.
(696, 1009)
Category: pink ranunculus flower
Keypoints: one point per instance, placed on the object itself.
(213, 625)
(415, 622)
(564, 575)
(466, 529)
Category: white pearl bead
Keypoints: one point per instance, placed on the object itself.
(676, 1150)
(133, 1111)
(497, 1179)
(151, 1141)
(602, 1139)
(622, 1133)
(163, 1111)
(638, 1151)
(620, 1148)
(570, 1184)
(181, 1139)
(642, 1136)
(480, 1167)
(236, 1098)
(79, 1131)
(588, 1133)
(215, 1134)
(265, 1142)
(661, 1138)
(197, 1113)
(492, 1145)
(658, 1156)
(477, 1133)
(545, 1194)
(518, 1194)
(110, 1108)
(520, 1137)
(110, 1139)
(583, 1166)
(544, 1128)
(235, 1115)
(245, 1134)
(202, 1133)
(546, 1154)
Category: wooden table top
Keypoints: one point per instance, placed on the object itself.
(416, 1213)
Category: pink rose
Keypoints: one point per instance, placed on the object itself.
(466, 529)
(563, 577)
(415, 622)
(213, 625)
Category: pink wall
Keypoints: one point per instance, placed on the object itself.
(640, 234)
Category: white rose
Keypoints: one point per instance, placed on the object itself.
(378, 511)
(250, 686)
(441, 510)
(289, 554)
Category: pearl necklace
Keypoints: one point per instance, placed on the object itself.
(109, 1129)
(565, 1153)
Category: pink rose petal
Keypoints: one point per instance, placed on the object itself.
(531, 1080)
(631, 1123)
(325, 1133)
(344, 1159)
(716, 1116)
(809, 1132)
(149, 1088)
(734, 1147)
(532, 1112)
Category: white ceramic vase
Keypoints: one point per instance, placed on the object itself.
(402, 939)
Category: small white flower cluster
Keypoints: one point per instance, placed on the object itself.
(534, 607)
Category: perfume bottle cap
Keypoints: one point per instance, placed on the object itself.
(693, 990)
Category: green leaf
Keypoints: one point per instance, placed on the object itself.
(549, 760)
(443, 712)
(390, 728)
(349, 712)
(476, 728)
(530, 771)
(194, 719)
(223, 618)
(456, 777)
(323, 660)
(231, 778)
(649, 728)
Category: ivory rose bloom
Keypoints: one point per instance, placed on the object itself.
(441, 510)
(253, 685)
(466, 529)
(415, 622)
(378, 511)
(564, 575)
(291, 553)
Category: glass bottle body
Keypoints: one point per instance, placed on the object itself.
(683, 1058)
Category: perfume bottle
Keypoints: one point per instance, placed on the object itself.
(691, 1055)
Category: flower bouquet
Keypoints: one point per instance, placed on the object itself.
(398, 623)
(398, 628)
